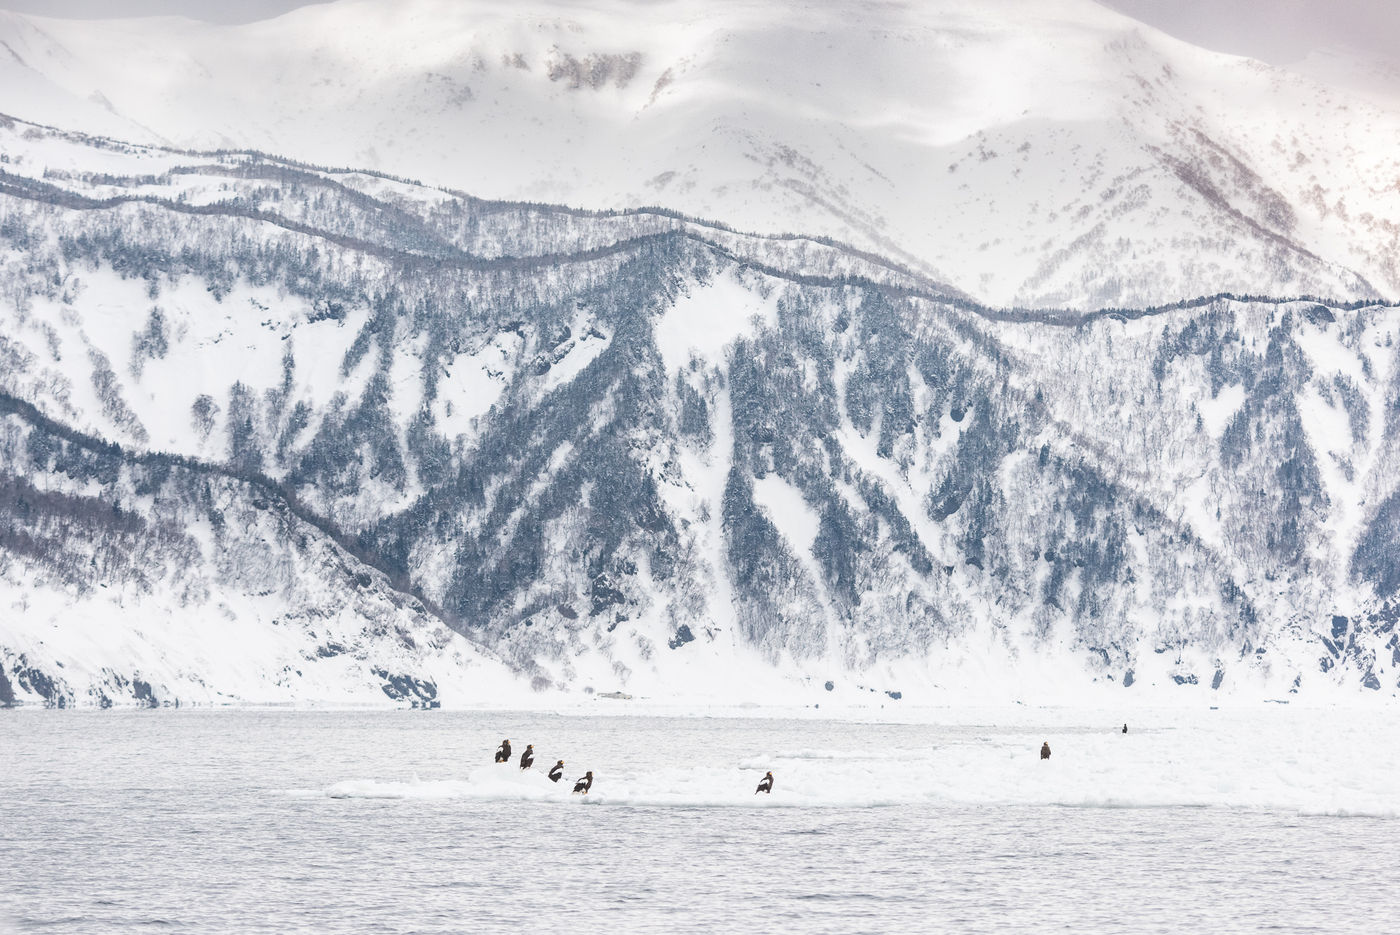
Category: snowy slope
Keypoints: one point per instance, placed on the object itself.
(291, 407)
(161, 581)
(1029, 152)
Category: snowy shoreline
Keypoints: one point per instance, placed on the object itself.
(891, 712)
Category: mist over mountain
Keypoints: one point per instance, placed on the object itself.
(967, 355)
(1041, 154)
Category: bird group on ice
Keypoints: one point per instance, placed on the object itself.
(585, 782)
(556, 772)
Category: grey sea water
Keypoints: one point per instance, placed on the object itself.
(272, 821)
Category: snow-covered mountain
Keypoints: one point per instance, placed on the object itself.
(1040, 153)
(275, 431)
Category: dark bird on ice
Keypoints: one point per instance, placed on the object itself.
(584, 784)
(1045, 750)
(503, 754)
(765, 784)
(1125, 728)
(557, 772)
(527, 759)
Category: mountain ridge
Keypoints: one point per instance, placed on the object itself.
(26, 186)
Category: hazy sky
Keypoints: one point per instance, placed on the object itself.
(215, 11)
(1278, 31)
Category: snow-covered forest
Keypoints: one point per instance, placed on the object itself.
(271, 431)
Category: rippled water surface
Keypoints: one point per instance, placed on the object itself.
(397, 822)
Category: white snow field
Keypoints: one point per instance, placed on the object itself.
(1035, 152)
(259, 820)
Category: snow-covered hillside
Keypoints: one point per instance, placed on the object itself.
(1029, 152)
(270, 431)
